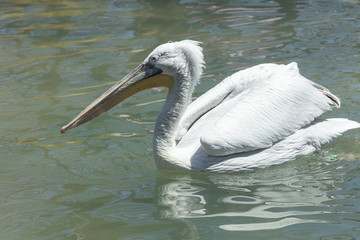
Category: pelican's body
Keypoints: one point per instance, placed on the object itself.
(257, 117)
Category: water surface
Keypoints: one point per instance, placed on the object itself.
(99, 181)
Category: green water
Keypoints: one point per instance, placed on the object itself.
(99, 180)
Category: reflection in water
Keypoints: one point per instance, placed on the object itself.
(181, 199)
(261, 200)
(285, 222)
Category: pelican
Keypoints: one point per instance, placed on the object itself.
(257, 117)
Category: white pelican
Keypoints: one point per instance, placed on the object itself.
(257, 117)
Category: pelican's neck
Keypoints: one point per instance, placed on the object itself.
(164, 143)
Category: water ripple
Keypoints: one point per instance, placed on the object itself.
(286, 222)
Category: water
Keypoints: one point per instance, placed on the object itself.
(99, 181)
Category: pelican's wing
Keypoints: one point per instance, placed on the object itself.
(263, 112)
(225, 90)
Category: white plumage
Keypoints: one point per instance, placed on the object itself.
(260, 105)
(257, 117)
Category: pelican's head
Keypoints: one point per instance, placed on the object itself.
(183, 58)
(169, 62)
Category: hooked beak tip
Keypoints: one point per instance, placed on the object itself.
(65, 128)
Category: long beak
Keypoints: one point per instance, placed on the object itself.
(142, 77)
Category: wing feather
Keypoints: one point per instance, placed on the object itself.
(261, 110)
(225, 90)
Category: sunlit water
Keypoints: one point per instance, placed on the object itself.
(99, 181)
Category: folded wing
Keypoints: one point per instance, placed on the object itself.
(253, 109)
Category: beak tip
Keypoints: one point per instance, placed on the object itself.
(65, 128)
(62, 130)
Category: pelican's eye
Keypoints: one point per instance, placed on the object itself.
(153, 59)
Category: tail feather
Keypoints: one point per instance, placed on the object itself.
(322, 132)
